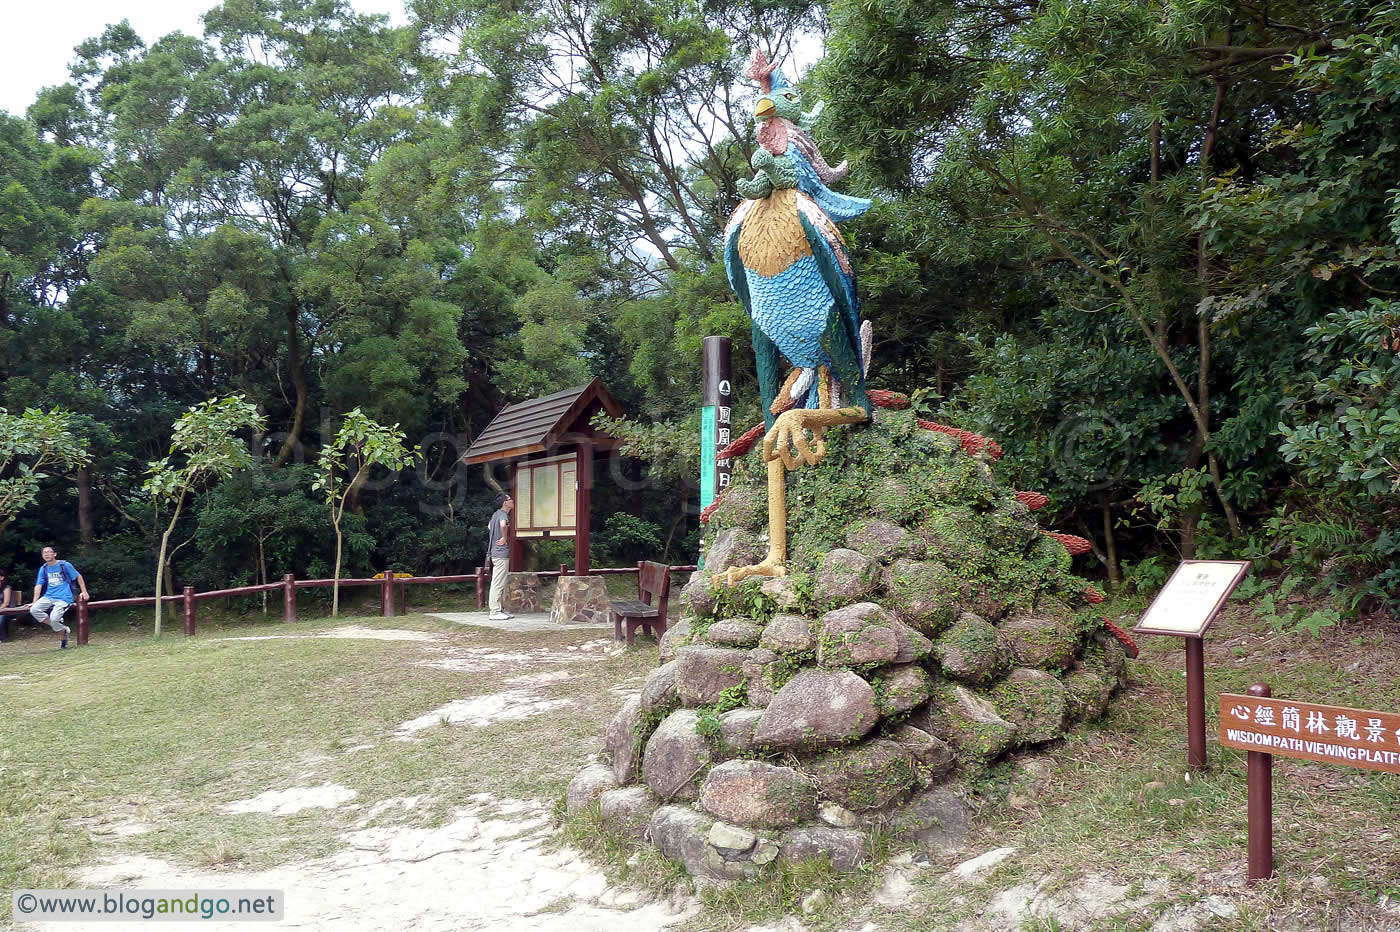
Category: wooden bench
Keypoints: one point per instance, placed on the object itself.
(648, 612)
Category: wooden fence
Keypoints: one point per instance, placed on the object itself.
(388, 583)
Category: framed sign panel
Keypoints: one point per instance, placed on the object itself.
(546, 497)
(1191, 599)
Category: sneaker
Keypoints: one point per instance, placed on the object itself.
(498, 616)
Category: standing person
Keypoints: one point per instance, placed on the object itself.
(7, 593)
(53, 592)
(499, 536)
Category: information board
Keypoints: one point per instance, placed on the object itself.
(1191, 599)
(546, 494)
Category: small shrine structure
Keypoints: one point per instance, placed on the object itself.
(549, 444)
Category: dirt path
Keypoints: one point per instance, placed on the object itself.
(485, 869)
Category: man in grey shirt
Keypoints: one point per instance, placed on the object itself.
(499, 552)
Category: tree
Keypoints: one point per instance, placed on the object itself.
(206, 444)
(1076, 141)
(260, 521)
(359, 446)
(31, 443)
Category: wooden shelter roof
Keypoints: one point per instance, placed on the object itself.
(541, 424)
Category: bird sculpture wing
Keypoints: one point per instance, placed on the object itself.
(841, 336)
(765, 351)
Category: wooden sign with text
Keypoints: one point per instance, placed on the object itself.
(1330, 734)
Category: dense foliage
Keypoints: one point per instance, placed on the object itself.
(1151, 248)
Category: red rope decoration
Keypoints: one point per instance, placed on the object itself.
(972, 444)
(1123, 637)
(1092, 595)
(1075, 545)
(881, 398)
(705, 515)
(743, 445)
(1033, 500)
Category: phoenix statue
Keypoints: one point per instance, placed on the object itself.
(789, 266)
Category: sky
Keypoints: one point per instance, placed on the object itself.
(38, 36)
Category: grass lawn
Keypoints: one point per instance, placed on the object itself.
(166, 732)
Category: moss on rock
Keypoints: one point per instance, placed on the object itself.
(1035, 702)
(972, 650)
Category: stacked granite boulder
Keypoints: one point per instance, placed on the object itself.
(926, 627)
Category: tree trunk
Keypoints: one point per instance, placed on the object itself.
(356, 506)
(86, 532)
(1110, 546)
(335, 586)
(298, 377)
(1190, 520)
(160, 562)
(262, 572)
(671, 535)
(1203, 323)
(1186, 527)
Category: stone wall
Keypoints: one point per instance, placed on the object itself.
(925, 629)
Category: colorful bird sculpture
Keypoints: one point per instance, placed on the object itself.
(790, 268)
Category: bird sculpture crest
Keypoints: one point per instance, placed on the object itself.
(789, 266)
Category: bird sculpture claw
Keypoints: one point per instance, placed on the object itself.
(787, 435)
(772, 567)
(787, 441)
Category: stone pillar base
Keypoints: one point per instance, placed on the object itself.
(522, 593)
(580, 600)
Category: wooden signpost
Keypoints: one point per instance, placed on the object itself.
(1329, 734)
(1185, 608)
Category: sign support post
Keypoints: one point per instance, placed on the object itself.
(1260, 782)
(1196, 703)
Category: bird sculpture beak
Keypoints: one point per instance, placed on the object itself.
(764, 108)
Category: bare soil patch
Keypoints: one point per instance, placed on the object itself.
(294, 800)
(486, 868)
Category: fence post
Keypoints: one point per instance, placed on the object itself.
(403, 597)
(563, 570)
(289, 598)
(386, 595)
(188, 603)
(83, 619)
(480, 586)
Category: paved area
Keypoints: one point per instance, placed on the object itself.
(533, 621)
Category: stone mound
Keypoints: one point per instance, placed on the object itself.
(926, 628)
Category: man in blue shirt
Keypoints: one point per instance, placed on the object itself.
(53, 592)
